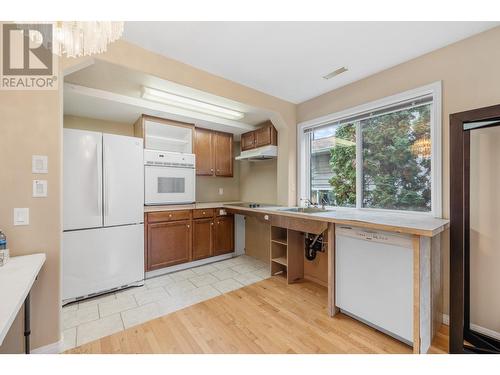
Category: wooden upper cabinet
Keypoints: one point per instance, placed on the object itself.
(223, 235)
(264, 136)
(169, 243)
(223, 154)
(247, 141)
(204, 149)
(267, 135)
(214, 153)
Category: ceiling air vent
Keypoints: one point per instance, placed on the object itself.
(335, 73)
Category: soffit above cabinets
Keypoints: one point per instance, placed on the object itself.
(109, 92)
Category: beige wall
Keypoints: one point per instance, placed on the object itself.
(258, 181)
(111, 127)
(484, 218)
(469, 71)
(31, 125)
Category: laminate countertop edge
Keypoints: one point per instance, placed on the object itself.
(193, 206)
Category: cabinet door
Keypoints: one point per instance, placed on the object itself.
(266, 135)
(169, 243)
(223, 154)
(202, 238)
(263, 136)
(204, 150)
(247, 141)
(224, 235)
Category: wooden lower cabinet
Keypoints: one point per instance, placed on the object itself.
(173, 237)
(224, 235)
(168, 243)
(203, 238)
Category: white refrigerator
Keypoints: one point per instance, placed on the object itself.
(103, 213)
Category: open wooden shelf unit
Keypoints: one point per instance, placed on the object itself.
(287, 253)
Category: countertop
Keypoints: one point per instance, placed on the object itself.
(16, 280)
(193, 206)
(418, 224)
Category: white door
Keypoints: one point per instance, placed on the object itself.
(168, 185)
(82, 179)
(123, 165)
(97, 260)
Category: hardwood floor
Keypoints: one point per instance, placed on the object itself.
(267, 317)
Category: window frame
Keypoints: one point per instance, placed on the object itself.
(303, 147)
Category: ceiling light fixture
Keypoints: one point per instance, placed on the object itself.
(336, 73)
(190, 104)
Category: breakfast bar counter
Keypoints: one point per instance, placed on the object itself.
(417, 224)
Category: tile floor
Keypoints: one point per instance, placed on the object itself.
(102, 316)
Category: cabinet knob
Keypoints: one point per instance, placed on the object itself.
(169, 215)
(211, 169)
(187, 225)
(203, 212)
(212, 223)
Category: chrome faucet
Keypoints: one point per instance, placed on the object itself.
(309, 202)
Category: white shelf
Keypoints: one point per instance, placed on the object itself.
(166, 139)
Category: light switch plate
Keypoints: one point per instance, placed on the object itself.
(39, 188)
(21, 216)
(221, 191)
(40, 164)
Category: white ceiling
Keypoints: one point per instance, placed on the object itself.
(289, 59)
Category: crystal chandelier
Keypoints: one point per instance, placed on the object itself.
(76, 38)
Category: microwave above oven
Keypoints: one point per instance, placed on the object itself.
(169, 178)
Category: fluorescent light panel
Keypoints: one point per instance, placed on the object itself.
(335, 73)
(190, 104)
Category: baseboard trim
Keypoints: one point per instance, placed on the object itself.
(54, 348)
(475, 327)
(316, 280)
(184, 266)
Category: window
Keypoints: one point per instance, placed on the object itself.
(384, 155)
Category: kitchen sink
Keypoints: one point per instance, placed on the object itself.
(306, 210)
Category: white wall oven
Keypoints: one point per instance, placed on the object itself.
(169, 178)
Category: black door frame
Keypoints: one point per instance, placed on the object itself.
(459, 232)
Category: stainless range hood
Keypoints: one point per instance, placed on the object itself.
(260, 153)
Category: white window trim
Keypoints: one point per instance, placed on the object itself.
(433, 89)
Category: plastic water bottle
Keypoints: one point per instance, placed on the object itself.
(4, 252)
(3, 241)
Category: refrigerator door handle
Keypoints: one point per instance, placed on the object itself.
(107, 197)
(99, 179)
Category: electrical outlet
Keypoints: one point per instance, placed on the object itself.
(221, 191)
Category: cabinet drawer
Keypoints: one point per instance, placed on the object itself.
(201, 213)
(154, 217)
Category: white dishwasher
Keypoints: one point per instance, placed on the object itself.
(374, 279)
